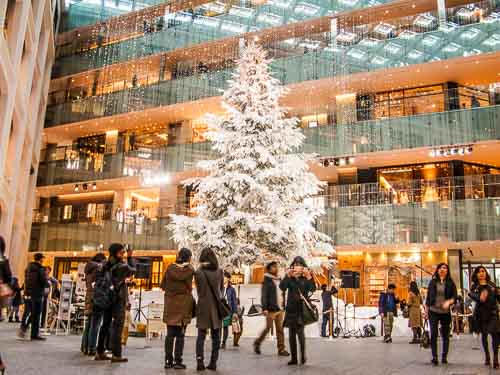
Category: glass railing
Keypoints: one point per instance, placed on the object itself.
(312, 65)
(450, 40)
(150, 235)
(426, 222)
(426, 130)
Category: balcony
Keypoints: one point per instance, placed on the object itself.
(456, 209)
(313, 65)
(426, 130)
(53, 236)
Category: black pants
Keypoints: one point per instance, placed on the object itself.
(111, 329)
(435, 320)
(174, 338)
(417, 333)
(26, 318)
(485, 331)
(200, 344)
(295, 331)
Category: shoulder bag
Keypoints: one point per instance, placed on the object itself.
(310, 313)
(425, 342)
(223, 308)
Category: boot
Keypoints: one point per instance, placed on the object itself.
(200, 366)
(487, 359)
(179, 350)
(169, 349)
(495, 360)
(212, 366)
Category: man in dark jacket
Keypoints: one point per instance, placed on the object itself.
(34, 289)
(326, 298)
(388, 310)
(272, 308)
(5, 272)
(121, 268)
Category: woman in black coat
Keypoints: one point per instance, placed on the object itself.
(5, 277)
(485, 294)
(441, 295)
(297, 281)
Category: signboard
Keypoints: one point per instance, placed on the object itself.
(154, 319)
(64, 313)
(237, 278)
(81, 285)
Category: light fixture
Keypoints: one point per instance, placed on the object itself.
(84, 187)
(77, 188)
(94, 186)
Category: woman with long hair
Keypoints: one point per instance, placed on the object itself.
(414, 312)
(209, 286)
(178, 307)
(485, 316)
(441, 295)
(299, 283)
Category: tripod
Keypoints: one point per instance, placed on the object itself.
(139, 312)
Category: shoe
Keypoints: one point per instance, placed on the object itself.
(223, 346)
(200, 365)
(101, 357)
(91, 354)
(180, 366)
(212, 366)
(38, 338)
(236, 345)
(414, 341)
(168, 365)
(293, 362)
(444, 361)
(303, 361)
(496, 365)
(115, 359)
(284, 353)
(435, 362)
(256, 349)
(487, 362)
(20, 333)
(10, 320)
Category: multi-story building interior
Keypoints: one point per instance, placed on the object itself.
(400, 100)
(27, 52)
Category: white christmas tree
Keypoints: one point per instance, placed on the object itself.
(256, 198)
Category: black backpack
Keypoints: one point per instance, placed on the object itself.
(104, 290)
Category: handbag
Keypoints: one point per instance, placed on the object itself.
(236, 326)
(310, 313)
(425, 342)
(222, 306)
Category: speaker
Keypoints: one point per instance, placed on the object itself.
(350, 279)
(143, 268)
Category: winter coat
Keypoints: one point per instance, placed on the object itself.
(35, 281)
(382, 304)
(91, 270)
(269, 298)
(207, 315)
(120, 271)
(414, 311)
(232, 299)
(485, 315)
(293, 307)
(177, 283)
(5, 272)
(450, 291)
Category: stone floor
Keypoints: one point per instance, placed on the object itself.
(60, 356)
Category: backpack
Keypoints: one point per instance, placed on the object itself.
(104, 290)
(369, 330)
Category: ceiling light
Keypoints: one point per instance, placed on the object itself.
(76, 189)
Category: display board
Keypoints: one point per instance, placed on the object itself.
(64, 314)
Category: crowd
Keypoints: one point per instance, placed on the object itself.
(286, 303)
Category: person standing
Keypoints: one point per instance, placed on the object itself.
(120, 269)
(238, 318)
(231, 298)
(272, 300)
(298, 283)
(179, 306)
(16, 302)
(36, 282)
(92, 321)
(209, 285)
(388, 310)
(415, 312)
(5, 278)
(327, 312)
(441, 295)
(486, 295)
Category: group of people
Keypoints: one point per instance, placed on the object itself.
(441, 297)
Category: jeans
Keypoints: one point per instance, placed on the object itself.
(200, 344)
(276, 318)
(326, 321)
(445, 320)
(175, 336)
(90, 332)
(36, 315)
(295, 331)
(111, 329)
